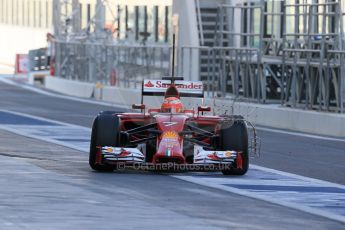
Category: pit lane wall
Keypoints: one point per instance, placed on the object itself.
(274, 116)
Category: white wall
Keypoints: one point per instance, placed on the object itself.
(238, 20)
(68, 87)
(16, 39)
(188, 35)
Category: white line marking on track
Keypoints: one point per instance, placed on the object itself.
(300, 134)
(49, 140)
(40, 137)
(242, 192)
(325, 183)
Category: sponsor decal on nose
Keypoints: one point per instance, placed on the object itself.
(170, 135)
(168, 152)
(228, 154)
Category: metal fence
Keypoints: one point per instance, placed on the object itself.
(92, 62)
(230, 72)
(111, 64)
(127, 66)
(300, 56)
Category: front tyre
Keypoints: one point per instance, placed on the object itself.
(235, 138)
(105, 130)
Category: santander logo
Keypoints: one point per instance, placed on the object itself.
(149, 85)
(185, 85)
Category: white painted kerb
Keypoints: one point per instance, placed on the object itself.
(69, 87)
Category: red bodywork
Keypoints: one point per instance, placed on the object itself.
(169, 144)
(168, 127)
(161, 136)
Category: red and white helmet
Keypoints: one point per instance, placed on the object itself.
(172, 105)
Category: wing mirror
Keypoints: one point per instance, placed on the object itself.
(138, 106)
(203, 109)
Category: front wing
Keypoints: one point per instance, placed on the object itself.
(133, 158)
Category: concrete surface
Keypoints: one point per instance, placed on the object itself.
(46, 186)
(309, 195)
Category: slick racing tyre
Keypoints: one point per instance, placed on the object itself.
(104, 133)
(235, 138)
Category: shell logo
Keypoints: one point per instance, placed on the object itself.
(228, 154)
(110, 150)
(170, 135)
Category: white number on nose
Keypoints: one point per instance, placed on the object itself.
(168, 123)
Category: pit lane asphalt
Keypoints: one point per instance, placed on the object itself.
(320, 159)
(49, 186)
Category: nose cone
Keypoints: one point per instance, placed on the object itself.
(169, 149)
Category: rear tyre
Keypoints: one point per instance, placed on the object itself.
(235, 138)
(104, 133)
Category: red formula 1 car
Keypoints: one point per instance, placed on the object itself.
(171, 137)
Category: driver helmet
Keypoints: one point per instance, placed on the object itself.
(172, 105)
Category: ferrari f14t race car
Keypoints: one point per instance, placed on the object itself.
(171, 137)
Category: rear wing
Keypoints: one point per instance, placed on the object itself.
(185, 88)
